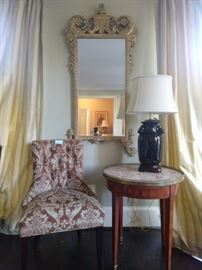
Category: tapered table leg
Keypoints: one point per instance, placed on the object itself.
(115, 228)
(169, 206)
(163, 221)
(121, 220)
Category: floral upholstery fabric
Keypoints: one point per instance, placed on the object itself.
(59, 200)
(57, 166)
(61, 210)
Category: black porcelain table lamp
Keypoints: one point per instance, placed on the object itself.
(152, 95)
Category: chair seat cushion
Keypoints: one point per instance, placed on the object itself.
(60, 210)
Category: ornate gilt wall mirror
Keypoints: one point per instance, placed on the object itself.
(101, 59)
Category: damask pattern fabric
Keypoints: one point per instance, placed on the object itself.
(61, 210)
(57, 166)
(59, 200)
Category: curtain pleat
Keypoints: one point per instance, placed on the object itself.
(20, 102)
(179, 42)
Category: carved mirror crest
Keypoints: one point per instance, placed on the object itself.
(101, 59)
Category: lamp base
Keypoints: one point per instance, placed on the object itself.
(150, 168)
(149, 146)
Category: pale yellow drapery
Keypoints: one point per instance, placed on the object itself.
(20, 102)
(179, 42)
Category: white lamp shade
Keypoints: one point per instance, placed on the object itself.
(153, 94)
(104, 123)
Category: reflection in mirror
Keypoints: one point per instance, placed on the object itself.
(101, 114)
(101, 59)
(101, 64)
(101, 84)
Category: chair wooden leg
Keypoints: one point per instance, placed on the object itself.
(23, 253)
(36, 243)
(37, 255)
(79, 234)
(99, 240)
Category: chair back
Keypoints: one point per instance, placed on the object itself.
(56, 165)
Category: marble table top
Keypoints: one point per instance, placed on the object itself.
(129, 174)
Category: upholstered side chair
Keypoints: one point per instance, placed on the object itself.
(59, 200)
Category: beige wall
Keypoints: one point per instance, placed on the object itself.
(57, 83)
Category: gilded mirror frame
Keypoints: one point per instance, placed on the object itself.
(100, 26)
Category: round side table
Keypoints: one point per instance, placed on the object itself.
(124, 180)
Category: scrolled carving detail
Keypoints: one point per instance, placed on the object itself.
(79, 25)
(100, 26)
(128, 143)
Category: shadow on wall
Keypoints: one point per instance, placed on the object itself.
(96, 158)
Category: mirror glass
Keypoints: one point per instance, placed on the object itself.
(101, 57)
(101, 87)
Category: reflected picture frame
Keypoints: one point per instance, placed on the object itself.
(100, 116)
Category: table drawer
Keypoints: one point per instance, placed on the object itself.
(147, 193)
